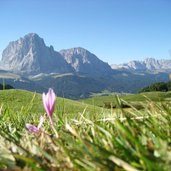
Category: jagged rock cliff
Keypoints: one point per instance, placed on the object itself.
(84, 61)
(149, 64)
(30, 55)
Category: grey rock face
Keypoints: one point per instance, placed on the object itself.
(85, 62)
(30, 55)
(149, 64)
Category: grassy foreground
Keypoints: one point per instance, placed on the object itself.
(100, 140)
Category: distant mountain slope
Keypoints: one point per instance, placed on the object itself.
(78, 86)
(149, 64)
(73, 86)
(5, 87)
(159, 86)
(30, 55)
(20, 82)
(84, 61)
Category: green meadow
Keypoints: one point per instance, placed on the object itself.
(138, 101)
(19, 100)
(131, 133)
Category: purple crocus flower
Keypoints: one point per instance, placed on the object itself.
(49, 103)
(33, 129)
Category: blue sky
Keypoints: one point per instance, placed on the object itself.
(117, 31)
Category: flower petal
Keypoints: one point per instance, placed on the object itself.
(49, 102)
(51, 97)
(45, 102)
(32, 128)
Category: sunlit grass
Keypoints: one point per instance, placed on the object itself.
(103, 140)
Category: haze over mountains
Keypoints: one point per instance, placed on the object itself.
(28, 63)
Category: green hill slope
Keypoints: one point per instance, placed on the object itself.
(25, 101)
(104, 101)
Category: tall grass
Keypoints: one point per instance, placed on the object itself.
(116, 140)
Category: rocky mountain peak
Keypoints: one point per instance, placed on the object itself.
(32, 35)
(84, 61)
(148, 64)
(77, 50)
(30, 55)
(31, 39)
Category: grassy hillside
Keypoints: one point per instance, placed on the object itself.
(83, 85)
(132, 98)
(25, 101)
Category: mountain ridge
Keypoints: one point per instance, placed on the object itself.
(30, 55)
(84, 61)
(148, 64)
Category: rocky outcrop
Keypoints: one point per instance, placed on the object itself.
(149, 64)
(84, 61)
(30, 55)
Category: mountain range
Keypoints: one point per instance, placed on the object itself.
(28, 63)
(30, 56)
(149, 64)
